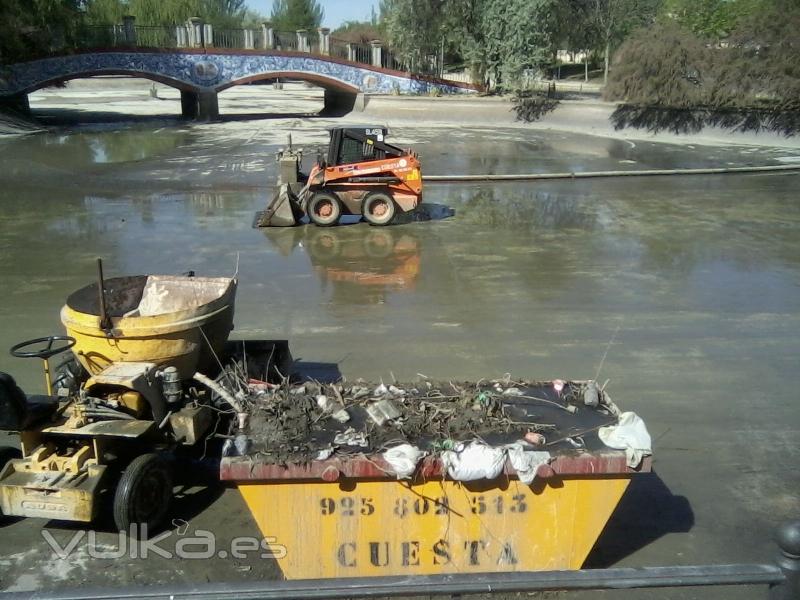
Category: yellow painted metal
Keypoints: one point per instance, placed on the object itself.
(132, 400)
(50, 485)
(48, 384)
(388, 528)
(174, 338)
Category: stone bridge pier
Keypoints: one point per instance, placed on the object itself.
(17, 103)
(203, 106)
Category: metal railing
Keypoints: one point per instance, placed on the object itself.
(448, 585)
(361, 54)
(389, 61)
(195, 34)
(339, 49)
(228, 38)
(286, 40)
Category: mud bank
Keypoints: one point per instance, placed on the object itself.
(586, 116)
(115, 99)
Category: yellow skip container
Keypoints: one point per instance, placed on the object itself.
(168, 320)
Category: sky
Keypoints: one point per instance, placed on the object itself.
(336, 11)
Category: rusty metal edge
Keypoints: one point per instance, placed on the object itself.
(374, 467)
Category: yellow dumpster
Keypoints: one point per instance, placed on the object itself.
(348, 515)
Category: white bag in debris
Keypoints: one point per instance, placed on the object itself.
(629, 434)
(474, 461)
(403, 459)
(526, 462)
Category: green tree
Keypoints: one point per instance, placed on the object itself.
(415, 29)
(291, 15)
(711, 18)
(498, 39)
(220, 13)
(463, 29)
(30, 28)
(615, 19)
(358, 32)
(518, 37)
(105, 12)
(575, 29)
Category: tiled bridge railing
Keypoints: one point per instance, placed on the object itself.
(196, 34)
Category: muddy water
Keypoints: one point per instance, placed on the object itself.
(684, 292)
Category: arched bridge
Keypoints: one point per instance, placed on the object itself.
(201, 73)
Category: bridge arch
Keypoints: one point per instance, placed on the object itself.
(340, 97)
(324, 81)
(156, 77)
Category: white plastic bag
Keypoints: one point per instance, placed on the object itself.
(474, 461)
(403, 459)
(526, 462)
(629, 434)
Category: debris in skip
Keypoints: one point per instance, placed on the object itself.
(473, 430)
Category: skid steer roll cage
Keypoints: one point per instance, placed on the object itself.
(339, 137)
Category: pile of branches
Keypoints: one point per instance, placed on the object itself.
(293, 422)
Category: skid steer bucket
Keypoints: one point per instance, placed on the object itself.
(283, 211)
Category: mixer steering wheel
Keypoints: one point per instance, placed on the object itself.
(46, 351)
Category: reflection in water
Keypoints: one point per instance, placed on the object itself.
(524, 208)
(86, 148)
(358, 263)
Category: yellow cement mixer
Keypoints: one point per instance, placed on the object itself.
(165, 320)
(136, 394)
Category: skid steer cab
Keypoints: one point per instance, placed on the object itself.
(359, 175)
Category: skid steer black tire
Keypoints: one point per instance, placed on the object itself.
(7, 453)
(143, 496)
(316, 202)
(383, 204)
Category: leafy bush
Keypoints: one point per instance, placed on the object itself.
(664, 65)
(751, 80)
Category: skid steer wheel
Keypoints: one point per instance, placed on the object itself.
(379, 208)
(7, 453)
(143, 495)
(324, 209)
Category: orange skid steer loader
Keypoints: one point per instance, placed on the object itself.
(362, 175)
